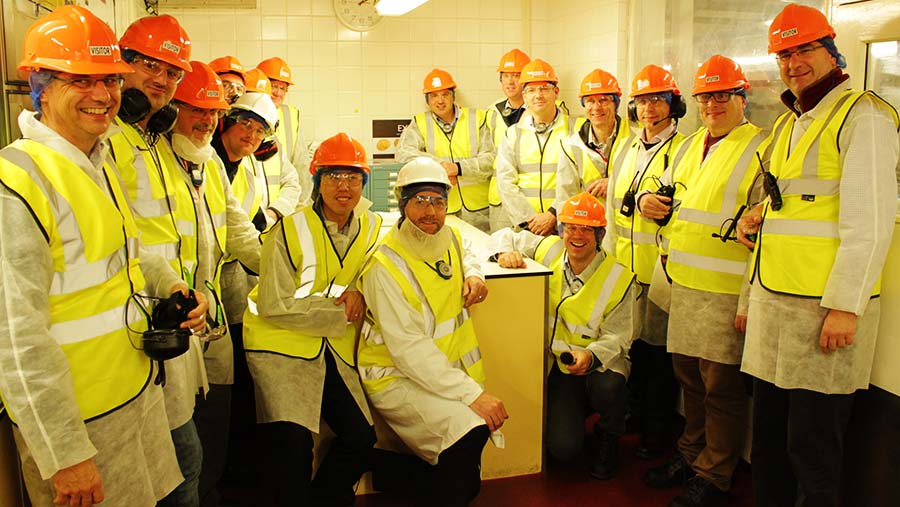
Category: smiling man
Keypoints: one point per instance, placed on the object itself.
(90, 425)
(457, 138)
(600, 138)
(715, 175)
(814, 308)
(300, 333)
(590, 330)
(418, 353)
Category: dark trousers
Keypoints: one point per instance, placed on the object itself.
(715, 417)
(872, 456)
(244, 447)
(453, 482)
(190, 458)
(211, 415)
(798, 446)
(291, 449)
(653, 391)
(571, 398)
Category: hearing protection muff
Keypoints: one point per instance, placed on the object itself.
(677, 109)
(165, 339)
(135, 106)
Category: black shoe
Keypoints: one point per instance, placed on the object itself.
(700, 493)
(606, 461)
(675, 472)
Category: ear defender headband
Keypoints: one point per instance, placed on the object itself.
(677, 107)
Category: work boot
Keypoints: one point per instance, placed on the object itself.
(700, 493)
(673, 473)
(606, 460)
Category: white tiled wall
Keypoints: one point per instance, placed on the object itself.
(344, 79)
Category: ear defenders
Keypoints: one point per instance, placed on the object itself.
(677, 109)
(135, 106)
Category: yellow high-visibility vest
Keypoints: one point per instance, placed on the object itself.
(636, 244)
(318, 269)
(711, 191)
(576, 320)
(585, 160)
(463, 142)
(797, 245)
(94, 247)
(441, 304)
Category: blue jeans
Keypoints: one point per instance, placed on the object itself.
(190, 457)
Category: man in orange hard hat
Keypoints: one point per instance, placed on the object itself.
(656, 105)
(600, 138)
(525, 167)
(288, 132)
(90, 425)
(813, 309)
(301, 346)
(592, 293)
(715, 176)
(232, 73)
(458, 138)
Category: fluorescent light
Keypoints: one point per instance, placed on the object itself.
(884, 49)
(397, 7)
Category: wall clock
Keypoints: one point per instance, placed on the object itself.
(358, 15)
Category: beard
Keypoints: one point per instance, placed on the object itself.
(420, 244)
(184, 147)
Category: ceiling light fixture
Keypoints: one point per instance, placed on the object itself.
(397, 7)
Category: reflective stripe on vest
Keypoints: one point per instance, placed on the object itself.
(447, 323)
(451, 147)
(248, 186)
(798, 244)
(150, 190)
(711, 190)
(186, 216)
(532, 157)
(92, 238)
(577, 319)
(636, 246)
(587, 161)
(318, 271)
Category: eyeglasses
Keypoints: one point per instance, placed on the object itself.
(199, 111)
(156, 68)
(538, 90)
(423, 201)
(254, 127)
(233, 87)
(718, 97)
(575, 229)
(215, 327)
(88, 83)
(350, 178)
(598, 99)
(646, 100)
(784, 57)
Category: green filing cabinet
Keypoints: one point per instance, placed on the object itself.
(380, 189)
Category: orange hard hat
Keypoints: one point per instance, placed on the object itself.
(72, 39)
(436, 80)
(256, 81)
(226, 64)
(796, 25)
(599, 82)
(653, 79)
(339, 150)
(536, 71)
(513, 61)
(161, 38)
(583, 209)
(277, 69)
(201, 87)
(719, 73)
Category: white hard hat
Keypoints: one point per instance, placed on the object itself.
(260, 104)
(421, 170)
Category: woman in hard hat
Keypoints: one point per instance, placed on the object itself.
(300, 333)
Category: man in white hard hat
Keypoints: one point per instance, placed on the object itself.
(419, 357)
(458, 138)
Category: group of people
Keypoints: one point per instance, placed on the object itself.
(677, 261)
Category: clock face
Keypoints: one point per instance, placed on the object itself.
(359, 15)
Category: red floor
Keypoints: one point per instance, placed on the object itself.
(571, 486)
